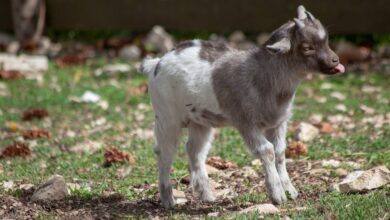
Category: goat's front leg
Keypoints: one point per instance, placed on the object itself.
(278, 138)
(264, 150)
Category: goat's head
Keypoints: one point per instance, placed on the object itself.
(307, 40)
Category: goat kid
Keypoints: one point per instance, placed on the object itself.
(201, 85)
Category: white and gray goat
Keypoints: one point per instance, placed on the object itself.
(201, 85)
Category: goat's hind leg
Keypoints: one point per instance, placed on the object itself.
(198, 145)
(167, 135)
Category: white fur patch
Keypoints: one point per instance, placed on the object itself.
(183, 83)
(322, 33)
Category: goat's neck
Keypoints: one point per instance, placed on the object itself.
(283, 72)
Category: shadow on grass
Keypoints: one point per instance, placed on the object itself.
(116, 206)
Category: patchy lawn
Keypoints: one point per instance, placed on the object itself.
(123, 118)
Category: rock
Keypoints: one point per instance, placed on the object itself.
(262, 38)
(130, 52)
(338, 95)
(316, 118)
(212, 170)
(237, 37)
(26, 186)
(367, 110)
(341, 172)
(179, 196)
(319, 172)
(335, 164)
(256, 162)
(159, 40)
(306, 132)
(249, 172)
(13, 47)
(113, 69)
(88, 146)
(53, 189)
(8, 185)
(361, 181)
(24, 63)
(238, 40)
(261, 209)
(341, 107)
(331, 163)
(87, 97)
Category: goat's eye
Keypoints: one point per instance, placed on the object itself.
(307, 48)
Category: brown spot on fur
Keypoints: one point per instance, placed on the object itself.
(211, 50)
(283, 97)
(193, 109)
(216, 120)
(183, 45)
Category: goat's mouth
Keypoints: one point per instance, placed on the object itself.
(333, 70)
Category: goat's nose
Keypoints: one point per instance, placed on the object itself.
(335, 60)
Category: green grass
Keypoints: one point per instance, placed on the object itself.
(60, 84)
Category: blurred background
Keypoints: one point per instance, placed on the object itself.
(75, 112)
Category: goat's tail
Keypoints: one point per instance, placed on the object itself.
(148, 65)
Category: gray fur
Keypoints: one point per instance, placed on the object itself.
(254, 90)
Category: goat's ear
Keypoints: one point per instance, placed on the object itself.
(280, 47)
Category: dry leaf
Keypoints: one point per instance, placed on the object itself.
(139, 90)
(10, 74)
(16, 150)
(113, 155)
(296, 149)
(326, 128)
(34, 113)
(36, 133)
(220, 163)
(70, 60)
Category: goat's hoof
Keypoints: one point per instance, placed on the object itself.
(293, 193)
(168, 203)
(279, 197)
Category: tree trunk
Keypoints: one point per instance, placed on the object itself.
(28, 20)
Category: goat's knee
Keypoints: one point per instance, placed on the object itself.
(265, 151)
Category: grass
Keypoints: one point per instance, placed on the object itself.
(69, 121)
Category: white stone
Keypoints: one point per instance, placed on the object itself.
(158, 39)
(113, 69)
(361, 181)
(338, 95)
(24, 63)
(90, 97)
(53, 189)
(306, 132)
(261, 209)
(130, 52)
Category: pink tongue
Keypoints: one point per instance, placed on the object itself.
(340, 68)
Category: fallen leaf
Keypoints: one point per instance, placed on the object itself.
(33, 113)
(70, 60)
(36, 133)
(15, 150)
(139, 90)
(326, 128)
(10, 74)
(296, 149)
(113, 155)
(220, 163)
